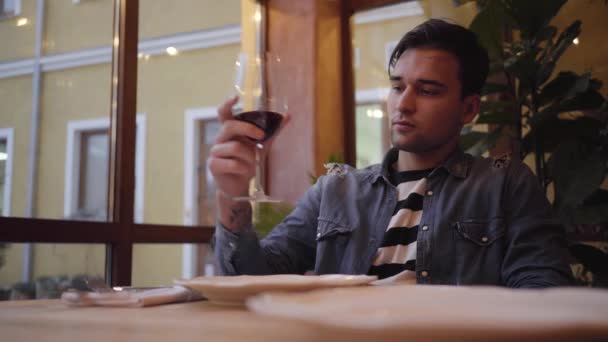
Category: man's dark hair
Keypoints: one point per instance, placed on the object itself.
(472, 58)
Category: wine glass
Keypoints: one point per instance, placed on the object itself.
(262, 104)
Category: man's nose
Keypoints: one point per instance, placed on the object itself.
(407, 101)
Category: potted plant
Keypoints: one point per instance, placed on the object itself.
(560, 115)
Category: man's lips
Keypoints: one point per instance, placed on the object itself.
(403, 125)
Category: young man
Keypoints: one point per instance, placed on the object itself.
(429, 214)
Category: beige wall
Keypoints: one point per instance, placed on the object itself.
(72, 26)
(71, 94)
(161, 17)
(15, 112)
(18, 42)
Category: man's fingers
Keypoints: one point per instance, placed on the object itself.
(224, 112)
(235, 129)
(234, 150)
(225, 166)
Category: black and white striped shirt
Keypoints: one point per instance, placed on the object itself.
(396, 257)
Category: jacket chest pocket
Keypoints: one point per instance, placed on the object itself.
(478, 251)
(480, 232)
(332, 245)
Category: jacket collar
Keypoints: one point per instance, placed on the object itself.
(456, 164)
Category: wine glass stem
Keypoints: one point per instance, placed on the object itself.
(258, 190)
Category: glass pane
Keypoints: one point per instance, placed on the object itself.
(3, 172)
(372, 126)
(375, 33)
(186, 58)
(41, 271)
(160, 264)
(69, 99)
(93, 193)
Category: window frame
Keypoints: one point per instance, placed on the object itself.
(75, 131)
(120, 233)
(8, 135)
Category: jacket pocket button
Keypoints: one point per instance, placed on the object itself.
(484, 239)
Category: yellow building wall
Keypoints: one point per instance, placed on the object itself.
(70, 94)
(162, 18)
(94, 20)
(15, 112)
(18, 41)
(69, 26)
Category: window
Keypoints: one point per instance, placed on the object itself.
(6, 158)
(10, 8)
(86, 178)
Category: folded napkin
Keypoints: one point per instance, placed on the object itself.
(131, 297)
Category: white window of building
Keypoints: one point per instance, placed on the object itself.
(10, 8)
(6, 170)
(86, 177)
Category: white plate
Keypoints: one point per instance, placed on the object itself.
(437, 312)
(234, 290)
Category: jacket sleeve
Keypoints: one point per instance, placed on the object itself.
(536, 253)
(289, 248)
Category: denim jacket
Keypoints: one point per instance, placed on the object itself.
(484, 222)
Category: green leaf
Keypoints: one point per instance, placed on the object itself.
(543, 73)
(476, 143)
(555, 131)
(496, 118)
(467, 140)
(588, 100)
(491, 88)
(558, 87)
(563, 42)
(591, 214)
(532, 16)
(496, 106)
(546, 33)
(488, 24)
(576, 171)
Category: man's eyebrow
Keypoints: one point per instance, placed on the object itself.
(431, 82)
(421, 81)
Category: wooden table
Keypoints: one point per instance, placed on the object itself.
(51, 320)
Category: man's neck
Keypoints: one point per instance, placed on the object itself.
(409, 161)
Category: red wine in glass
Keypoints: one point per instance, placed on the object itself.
(267, 121)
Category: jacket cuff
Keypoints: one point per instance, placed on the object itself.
(226, 246)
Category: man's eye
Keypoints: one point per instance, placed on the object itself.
(396, 88)
(429, 92)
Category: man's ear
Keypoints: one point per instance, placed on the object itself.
(471, 108)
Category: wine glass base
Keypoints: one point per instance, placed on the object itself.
(259, 197)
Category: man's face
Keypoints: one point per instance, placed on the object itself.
(425, 104)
